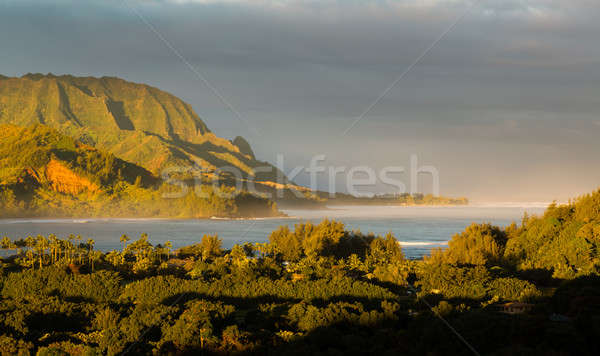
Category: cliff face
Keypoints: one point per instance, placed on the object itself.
(136, 122)
(243, 146)
(110, 104)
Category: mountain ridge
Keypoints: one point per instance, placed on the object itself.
(137, 122)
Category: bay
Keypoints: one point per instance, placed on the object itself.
(418, 228)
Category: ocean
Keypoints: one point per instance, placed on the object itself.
(417, 228)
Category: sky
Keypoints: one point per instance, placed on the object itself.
(500, 96)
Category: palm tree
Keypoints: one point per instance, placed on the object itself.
(40, 246)
(90, 244)
(30, 243)
(169, 246)
(78, 238)
(95, 256)
(54, 248)
(144, 246)
(70, 247)
(144, 242)
(124, 240)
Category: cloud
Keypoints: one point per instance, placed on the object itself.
(511, 74)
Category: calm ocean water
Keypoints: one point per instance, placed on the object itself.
(417, 228)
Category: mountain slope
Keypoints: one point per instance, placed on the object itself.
(52, 158)
(136, 122)
(45, 173)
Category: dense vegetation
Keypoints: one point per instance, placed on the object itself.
(314, 289)
(135, 122)
(45, 173)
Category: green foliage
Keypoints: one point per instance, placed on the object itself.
(513, 289)
(44, 173)
(329, 238)
(479, 244)
(101, 286)
(454, 282)
(564, 240)
(286, 243)
(210, 246)
(316, 289)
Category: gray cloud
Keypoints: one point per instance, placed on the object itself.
(510, 92)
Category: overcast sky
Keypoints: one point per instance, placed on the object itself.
(505, 105)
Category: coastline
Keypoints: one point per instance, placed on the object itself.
(339, 207)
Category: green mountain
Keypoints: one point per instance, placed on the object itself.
(152, 129)
(46, 173)
(136, 122)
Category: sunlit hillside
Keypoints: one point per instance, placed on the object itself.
(136, 122)
(45, 173)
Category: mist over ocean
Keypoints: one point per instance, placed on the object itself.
(418, 228)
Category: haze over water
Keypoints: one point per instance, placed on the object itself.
(418, 228)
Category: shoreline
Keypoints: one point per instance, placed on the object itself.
(285, 216)
(125, 219)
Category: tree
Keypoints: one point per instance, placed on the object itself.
(30, 244)
(70, 247)
(140, 248)
(286, 243)
(90, 243)
(478, 244)
(41, 245)
(95, 256)
(124, 238)
(210, 246)
(237, 253)
(322, 239)
(168, 246)
(78, 238)
(385, 250)
(54, 248)
(6, 243)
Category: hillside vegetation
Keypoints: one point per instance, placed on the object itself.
(45, 173)
(563, 243)
(529, 289)
(136, 122)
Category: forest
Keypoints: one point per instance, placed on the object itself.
(532, 287)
